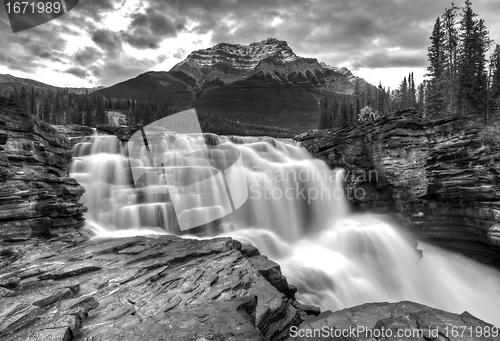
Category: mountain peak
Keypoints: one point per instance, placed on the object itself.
(270, 41)
(263, 82)
(242, 57)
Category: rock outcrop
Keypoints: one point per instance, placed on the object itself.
(406, 321)
(169, 288)
(37, 196)
(142, 288)
(439, 178)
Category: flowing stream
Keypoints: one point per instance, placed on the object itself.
(296, 214)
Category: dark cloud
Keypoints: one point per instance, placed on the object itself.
(77, 72)
(87, 55)
(108, 41)
(94, 9)
(390, 59)
(356, 33)
(31, 49)
(147, 30)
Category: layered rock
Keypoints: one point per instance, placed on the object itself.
(36, 194)
(150, 288)
(169, 288)
(439, 178)
(406, 321)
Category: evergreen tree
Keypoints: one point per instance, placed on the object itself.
(421, 98)
(46, 109)
(404, 94)
(472, 80)
(435, 70)
(494, 93)
(450, 48)
(32, 104)
(323, 113)
(412, 91)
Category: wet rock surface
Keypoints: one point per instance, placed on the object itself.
(140, 288)
(439, 178)
(402, 321)
(37, 196)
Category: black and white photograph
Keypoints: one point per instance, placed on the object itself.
(231, 170)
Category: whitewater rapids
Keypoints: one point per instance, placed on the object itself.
(296, 214)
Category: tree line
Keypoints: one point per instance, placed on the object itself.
(368, 103)
(63, 107)
(461, 80)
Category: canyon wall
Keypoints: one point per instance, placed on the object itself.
(438, 178)
(37, 196)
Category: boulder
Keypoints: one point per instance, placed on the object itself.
(406, 321)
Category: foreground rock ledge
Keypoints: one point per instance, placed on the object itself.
(166, 288)
(139, 288)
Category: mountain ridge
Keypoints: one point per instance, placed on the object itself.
(263, 82)
(9, 83)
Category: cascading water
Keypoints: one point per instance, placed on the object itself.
(295, 214)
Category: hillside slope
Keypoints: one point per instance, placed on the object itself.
(260, 83)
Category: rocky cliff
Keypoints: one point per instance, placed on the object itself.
(36, 194)
(439, 178)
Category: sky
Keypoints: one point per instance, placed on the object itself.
(104, 42)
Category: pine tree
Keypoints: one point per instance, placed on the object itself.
(448, 81)
(100, 112)
(494, 93)
(466, 68)
(472, 80)
(435, 70)
(46, 109)
(32, 104)
(333, 122)
(88, 114)
(404, 94)
(23, 100)
(380, 99)
(357, 101)
(421, 99)
(412, 92)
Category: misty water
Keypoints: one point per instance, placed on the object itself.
(296, 214)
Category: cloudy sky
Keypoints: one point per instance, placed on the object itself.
(103, 42)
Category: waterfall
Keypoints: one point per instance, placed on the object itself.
(296, 214)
